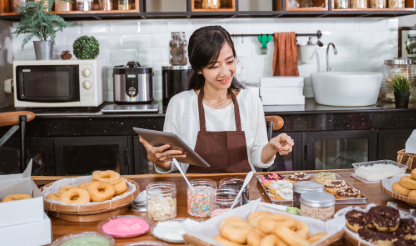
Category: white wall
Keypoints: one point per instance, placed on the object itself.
(409, 20)
(363, 43)
(6, 59)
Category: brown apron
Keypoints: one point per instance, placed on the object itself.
(225, 152)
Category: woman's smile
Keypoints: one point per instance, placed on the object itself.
(225, 81)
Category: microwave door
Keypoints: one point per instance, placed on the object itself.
(48, 83)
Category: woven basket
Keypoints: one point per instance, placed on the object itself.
(397, 196)
(406, 159)
(89, 217)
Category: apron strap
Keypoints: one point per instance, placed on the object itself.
(201, 111)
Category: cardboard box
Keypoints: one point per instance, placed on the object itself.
(28, 234)
(281, 81)
(283, 100)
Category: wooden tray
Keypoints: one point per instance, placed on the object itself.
(362, 200)
(89, 217)
(92, 208)
(398, 196)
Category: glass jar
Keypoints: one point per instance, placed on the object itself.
(378, 4)
(305, 186)
(178, 49)
(125, 5)
(341, 4)
(317, 205)
(211, 4)
(199, 199)
(161, 200)
(222, 200)
(397, 4)
(84, 5)
(62, 6)
(358, 4)
(236, 184)
(106, 5)
(391, 68)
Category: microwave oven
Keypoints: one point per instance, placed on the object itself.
(58, 83)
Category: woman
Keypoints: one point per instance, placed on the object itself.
(222, 120)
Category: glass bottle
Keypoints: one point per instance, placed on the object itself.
(106, 5)
(378, 4)
(397, 4)
(178, 49)
(199, 198)
(317, 205)
(341, 4)
(211, 4)
(394, 67)
(62, 6)
(161, 200)
(222, 200)
(358, 4)
(236, 184)
(125, 5)
(305, 186)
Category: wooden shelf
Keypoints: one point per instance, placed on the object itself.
(323, 3)
(226, 6)
(409, 6)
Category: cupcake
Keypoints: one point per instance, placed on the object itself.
(299, 177)
(333, 186)
(267, 179)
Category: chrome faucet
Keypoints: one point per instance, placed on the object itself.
(328, 67)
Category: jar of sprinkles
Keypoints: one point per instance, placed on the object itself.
(199, 198)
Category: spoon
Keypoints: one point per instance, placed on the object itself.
(246, 181)
(183, 175)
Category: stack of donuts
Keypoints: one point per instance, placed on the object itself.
(382, 226)
(406, 186)
(105, 185)
(263, 229)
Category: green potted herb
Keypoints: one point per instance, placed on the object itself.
(86, 47)
(401, 88)
(37, 21)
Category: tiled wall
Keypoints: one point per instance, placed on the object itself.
(6, 59)
(362, 43)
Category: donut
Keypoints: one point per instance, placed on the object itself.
(316, 237)
(65, 188)
(125, 192)
(333, 186)
(254, 218)
(16, 197)
(405, 242)
(84, 185)
(268, 223)
(288, 236)
(324, 177)
(120, 185)
(382, 218)
(398, 188)
(231, 219)
(105, 176)
(412, 194)
(75, 196)
(236, 231)
(408, 182)
(282, 190)
(254, 237)
(267, 179)
(348, 193)
(377, 237)
(54, 196)
(100, 191)
(271, 240)
(224, 241)
(406, 230)
(302, 229)
(413, 174)
(299, 177)
(355, 220)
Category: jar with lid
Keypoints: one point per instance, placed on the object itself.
(106, 5)
(397, 4)
(178, 49)
(378, 4)
(199, 198)
(84, 5)
(358, 4)
(211, 4)
(62, 6)
(341, 4)
(317, 205)
(305, 186)
(125, 5)
(396, 67)
(222, 200)
(161, 200)
(236, 184)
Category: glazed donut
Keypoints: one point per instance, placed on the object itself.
(377, 237)
(120, 185)
(125, 192)
(271, 240)
(413, 174)
(84, 185)
(105, 176)
(254, 237)
(100, 191)
(302, 229)
(236, 231)
(16, 197)
(254, 218)
(54, 196)
(75, 196)
(224, 241)
(398, 188)
(408, 182)
(268, 223)
(65, 188)
(412, 194)
(289, 236)
(324, 177)
(316, 237)
(382, 218)
(406, 230)
(355, 220)
(231, 219)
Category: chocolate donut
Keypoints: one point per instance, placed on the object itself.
(407, 229)
(355, 220)
(405, 242)
(377, 237)
(299, 177)
(382, 218)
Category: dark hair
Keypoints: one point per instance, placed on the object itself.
(205, 45)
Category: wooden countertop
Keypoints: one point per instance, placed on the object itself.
(61, 227)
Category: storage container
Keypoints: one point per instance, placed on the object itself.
(199, 198)
(370, 173)
(62, 6)
(395, 67)
(378, 4)
(222, 200)
(178, 49)
(211, 4)
(341, 4)
(84, 5)
(397, 4)
(236, 184)
(161, 200)
(358, 4)
(106, 5)
(305, 186)
(317, 205)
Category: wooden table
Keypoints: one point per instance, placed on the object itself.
(61, 227)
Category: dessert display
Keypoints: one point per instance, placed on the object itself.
(16, 197)
(333, 186)
(282, 190)
(324, 177)
(124, 226)
(269, 178)
(378, 170)
(406, 186)
(299, 177)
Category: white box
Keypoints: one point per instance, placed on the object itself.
(281, 91)
(28, 234)
(283, 100)
(284, 108)
(281, 81)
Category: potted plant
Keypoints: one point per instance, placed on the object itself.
(86, 47)
(37, 21)
(401, 88)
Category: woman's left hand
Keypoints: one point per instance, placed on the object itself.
(282, 143)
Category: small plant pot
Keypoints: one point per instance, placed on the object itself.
(43, 50)
(402, 99)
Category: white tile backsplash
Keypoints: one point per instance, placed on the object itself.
(362, 43)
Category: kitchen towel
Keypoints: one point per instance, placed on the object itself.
(285, 58)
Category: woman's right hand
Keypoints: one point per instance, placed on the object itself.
(161, 156)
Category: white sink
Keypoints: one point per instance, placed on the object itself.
(346, 88)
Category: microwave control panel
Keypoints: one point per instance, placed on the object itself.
(87, 87)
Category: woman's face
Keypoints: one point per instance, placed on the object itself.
(219, 74)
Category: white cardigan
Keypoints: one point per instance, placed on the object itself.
(182, 119)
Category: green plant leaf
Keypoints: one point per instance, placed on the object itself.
(401, 84)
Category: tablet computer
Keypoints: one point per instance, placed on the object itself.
(158, 138)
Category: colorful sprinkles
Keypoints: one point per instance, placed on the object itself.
(199, 201)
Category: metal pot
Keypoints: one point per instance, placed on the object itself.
(43, 50)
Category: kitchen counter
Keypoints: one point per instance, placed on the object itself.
(61, 227)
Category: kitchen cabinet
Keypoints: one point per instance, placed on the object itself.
(390, 141)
